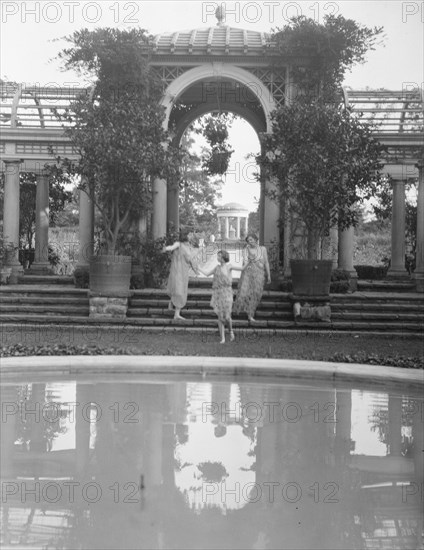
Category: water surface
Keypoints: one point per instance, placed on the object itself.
(99, 464)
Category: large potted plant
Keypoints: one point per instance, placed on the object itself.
(323, 160)
(118, 131)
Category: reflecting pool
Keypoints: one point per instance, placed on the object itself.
(209, 463)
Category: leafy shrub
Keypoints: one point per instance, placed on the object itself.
(16, 350)
(339, 287)
(286, 285)
(82, 277)
(53, 257)
(340, 275)
(375, 359)
(156, 263)
(373, 272)
(137, 281)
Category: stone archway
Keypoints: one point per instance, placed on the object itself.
(214, 71)
(216, 87)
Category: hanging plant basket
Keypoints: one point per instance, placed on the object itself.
(217, 163)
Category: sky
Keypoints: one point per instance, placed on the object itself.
(30, 32)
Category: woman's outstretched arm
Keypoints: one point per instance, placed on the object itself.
(171, 247)
(206, 273)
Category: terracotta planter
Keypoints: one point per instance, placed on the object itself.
(311, 277)
(110, 274)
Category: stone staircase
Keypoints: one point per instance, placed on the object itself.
(397, 312)
(387, 285)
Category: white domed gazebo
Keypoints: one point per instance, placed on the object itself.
(232, 211)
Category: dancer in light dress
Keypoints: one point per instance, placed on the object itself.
(252, 279)
(222, 292)
(182, 259)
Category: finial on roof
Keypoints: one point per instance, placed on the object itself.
(220, 15)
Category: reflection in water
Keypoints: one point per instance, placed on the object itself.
(209, 465)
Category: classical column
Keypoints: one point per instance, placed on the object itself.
(82, 430)
(334, 237)
(159, 208)
(154, 436)
(286, 242)
(11, 216)
(238, 228)
(10, 417)
(41, 261)
(397, 264)
(142, 225)
(86, 229)
(395, 425)
(173, 209)
(419, 267)
(247, 224)
(227, 227)
(345, 250)
(271, 216)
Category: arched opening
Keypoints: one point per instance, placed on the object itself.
(223, 95)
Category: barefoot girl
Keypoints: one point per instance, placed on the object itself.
(222, 292)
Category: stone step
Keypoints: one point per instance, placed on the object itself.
(386, 285)
(413, 329)
(206, 312)
(46, 300)
(29, 279)
(202, 294)
(141, 303)
(48, 308)
(374, 316)
(41, 292)
(381, 307)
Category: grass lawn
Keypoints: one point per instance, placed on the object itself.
(290, 345)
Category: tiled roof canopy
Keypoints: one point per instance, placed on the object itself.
(218, 40)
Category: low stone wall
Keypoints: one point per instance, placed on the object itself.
(108, 307)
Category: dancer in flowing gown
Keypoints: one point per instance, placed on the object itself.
(252, 279)
(222, 292)
(182, 259)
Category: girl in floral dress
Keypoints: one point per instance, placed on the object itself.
(222, 292)
(252, 279)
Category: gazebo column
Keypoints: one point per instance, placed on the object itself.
(419, 267)
(397, 264)
(238, 228)
(172, 207)
(86, 229)
(42, 218)
(159, 208)
(227, 227)
(11, 216)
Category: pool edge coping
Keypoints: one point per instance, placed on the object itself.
(207, 365)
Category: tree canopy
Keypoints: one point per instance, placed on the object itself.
(118, 128)
(323, 160)
(322, 53)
